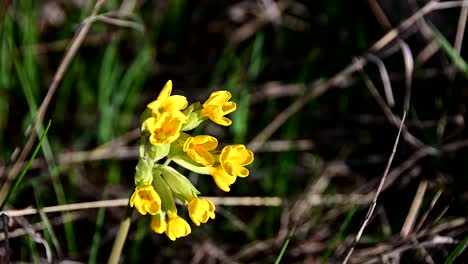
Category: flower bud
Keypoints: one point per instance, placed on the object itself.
(143, 175)
(158, 152)
(180, 186)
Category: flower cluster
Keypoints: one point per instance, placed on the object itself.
(166, 122)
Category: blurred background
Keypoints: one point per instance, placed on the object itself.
(321, 89)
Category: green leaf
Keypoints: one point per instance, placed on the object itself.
(450, 51)
(457, 251)
(26, 168)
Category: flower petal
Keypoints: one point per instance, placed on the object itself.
(166, 91)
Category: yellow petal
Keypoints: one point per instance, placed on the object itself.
(158, 224)
(177, 227)
(199, 147)
(164, 130)
(222, 179)
(233, 159)
(175, 102)
(146, 200)
(217, 106)
(218, 98)
(166, 91)
(200, 210)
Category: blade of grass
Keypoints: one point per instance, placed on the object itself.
(450, 51)
(49, 233)
(339, 236)
(6, 45)
(131, 85)
(26, 168)
(137, 243)
(97, 235)
(29, 37)
(108, 79)
(285, 245)
(457, 251)
(32, 252)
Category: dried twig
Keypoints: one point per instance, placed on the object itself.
(414, 210)
(377, 193)
(431, 206)
(395, 120)
(461, 29)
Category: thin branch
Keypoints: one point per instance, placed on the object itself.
(461, 29)
(395, 120)
(409, 68)
(414, 210)
(377, 193)
(431, 206)
(385, 78)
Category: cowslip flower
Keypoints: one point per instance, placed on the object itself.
(222, 179)
(165, 125)
(165, 129)
(217, 106)
(168, 103)
(199, 147)
(158, 223)
(146, 200)
(233, 158)
(177, 227)
(200, 210)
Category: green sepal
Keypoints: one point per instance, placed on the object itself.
(145, 115)
(185, 161)
(164, 191)
(194, 116)
(156, 153)
(143, 175)
(182, 188)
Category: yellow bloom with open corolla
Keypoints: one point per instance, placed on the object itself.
(200, 210)
(177, 227)
(146, 200)
(158, 223)
(199, 147)
(159, 184)
(233, 158)
(217, 106)
(168, 103)
(222, 179)
(165, 129)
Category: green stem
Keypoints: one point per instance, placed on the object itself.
(121, 237)
(167, 161)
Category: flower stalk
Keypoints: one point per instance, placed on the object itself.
(121, 236)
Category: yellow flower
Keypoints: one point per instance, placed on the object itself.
(200, 210)
(217, 106)
(169, 103)
(198, 148)
(233, 158)
(222, 179)
(158, 224)
(165, 129)
(177, 227)
(146, 200)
